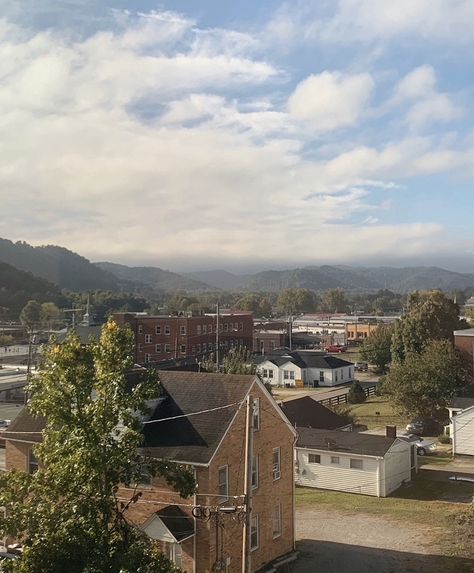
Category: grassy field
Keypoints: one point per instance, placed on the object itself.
(376, 412)
(425, 501)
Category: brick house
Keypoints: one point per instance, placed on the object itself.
(161, 338)
(464, 342)
(212, 444)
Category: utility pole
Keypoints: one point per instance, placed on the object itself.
(246, 560)
(290, 331)
(217, 337)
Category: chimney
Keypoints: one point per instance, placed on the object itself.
(391, 431)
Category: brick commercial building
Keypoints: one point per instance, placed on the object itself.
(197, 533)
(464, 342)
(161, 338)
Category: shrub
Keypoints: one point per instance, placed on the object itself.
(356, 394)
(444, 439)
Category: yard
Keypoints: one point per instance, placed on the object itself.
(416, 531)
(377, 412)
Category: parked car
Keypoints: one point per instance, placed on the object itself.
(424, 446)
(361, 366)
(424, 427)
(335, 348)
(4, 424)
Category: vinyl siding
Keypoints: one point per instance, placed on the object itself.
(395, 468)
(336, 477)
(463, 432)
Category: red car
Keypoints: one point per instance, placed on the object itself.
(335, 348)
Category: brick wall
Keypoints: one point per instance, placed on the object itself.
(16, 455)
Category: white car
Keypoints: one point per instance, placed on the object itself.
(424, 446)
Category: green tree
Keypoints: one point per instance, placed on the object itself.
(265, 307)
(376, 348)
(30, 314)
(334, 300)
(70, 514)
(356, 394)
(49, 314)
(425, 382)
(295, 300)
(6, 339)
(429, 316)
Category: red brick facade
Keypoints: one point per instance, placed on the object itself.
(464, 342)
(273, 496)
(160, 338)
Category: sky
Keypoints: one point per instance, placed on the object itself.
(240, 135)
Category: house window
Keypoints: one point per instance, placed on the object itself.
(167, 348)
(241, 326)
(270, 373)
(198, 329)
(223, 483)
(182, 348)
(335, 372)
(292, 375)
(321, 376)
(256, 414)
(157, 329)
(276, 469)
(226, 327)
(204, 328)
(140, 329)
(182, 330)
(193, 350)
(335, 460)
(255, 472)
(32, 462)
(204, 347)
(357, 464)
(140, 347)
(147, 358)
(167, 330)
(254, 533)
(314, 458)
(174, 553)
(147, 338)
(265, 373)
(286, 375)
(158, 348)
(276, 520)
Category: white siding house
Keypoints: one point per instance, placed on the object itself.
(304, 368)
(463, 432)
(351, 462)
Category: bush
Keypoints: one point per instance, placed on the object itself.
(444, 439)
(356, 394)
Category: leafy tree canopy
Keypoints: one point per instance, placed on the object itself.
(30, 314)
(294, 300)
(376, 348)
(425, 382)
(334, 300)
(429, 316)
(71, 514)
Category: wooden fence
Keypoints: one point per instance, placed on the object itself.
(342, 398)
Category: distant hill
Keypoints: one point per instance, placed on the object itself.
(219, 279)
(57, 265)
(152, 277)
(18, 287)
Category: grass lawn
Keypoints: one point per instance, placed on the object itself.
(422, 502)
(377, 412)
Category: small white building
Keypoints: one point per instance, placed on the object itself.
(352, 462)
(304, 368)
(462, 434)
(455, 407)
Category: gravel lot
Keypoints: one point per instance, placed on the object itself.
(331, 542)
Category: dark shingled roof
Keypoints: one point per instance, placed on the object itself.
(460, 402)
(178, 523)
(348, 442)
(305, 359)
(307, 413)
(193, 439)
(85, 332)
(25, 422)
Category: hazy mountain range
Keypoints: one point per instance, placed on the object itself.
(71, 271)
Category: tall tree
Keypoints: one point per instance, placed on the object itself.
(49, 314)
(428, 316)
(376, 348)
(424, 383)
(30, 314)
(294, 300)
(70, 514)
(334, 300)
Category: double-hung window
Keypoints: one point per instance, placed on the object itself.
(157, 329)
(256, 414)
(147, 338)
(255, 472)
(276, 520)
(167, 330)
(254, 533)
(357, 464)
(314, 459)
(223, 484)
(276, 463)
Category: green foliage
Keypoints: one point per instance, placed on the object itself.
(334, 300)
(5, 339)
(256, 303)
(356, 394)
(71, 514)
(376, 348)
(444, 439)
(30, 314)
(105, 303)
(237, 360)
(429, 316)
(425, 382)
(295, 300)
(49, 314)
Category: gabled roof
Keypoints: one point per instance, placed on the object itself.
(461, 402)
(194, 439)
(467, 411)
(305, 359)
(307, 413)
(25, 427)
(344, 442)
(180, 525)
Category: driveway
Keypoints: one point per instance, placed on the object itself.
(332, 542)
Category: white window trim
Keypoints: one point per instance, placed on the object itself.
(279, 521)
(257, 461)
(256, 414)
(276, 473)
(223, 499)
(361, 460)
(255, 547)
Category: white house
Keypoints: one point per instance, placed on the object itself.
(455, 407)
(352, 462)
(304, 368)
(462, 434)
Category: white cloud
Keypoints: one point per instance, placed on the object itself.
(331, 100)
(416, 84)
